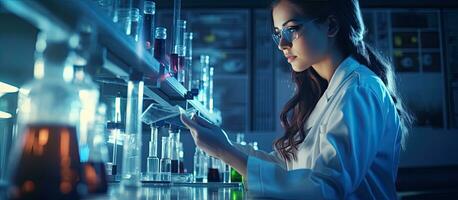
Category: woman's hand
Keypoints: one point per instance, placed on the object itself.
(208, 137)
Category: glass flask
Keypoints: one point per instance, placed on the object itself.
(45, 162)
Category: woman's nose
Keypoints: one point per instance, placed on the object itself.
(283, 44)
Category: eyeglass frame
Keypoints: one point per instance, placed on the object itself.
(276, 37)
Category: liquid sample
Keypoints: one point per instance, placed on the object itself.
(49, 164)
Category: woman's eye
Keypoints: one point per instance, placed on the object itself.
(293, 28)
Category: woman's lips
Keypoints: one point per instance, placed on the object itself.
(291, 58)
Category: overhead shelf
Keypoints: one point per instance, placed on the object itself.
(123, 55)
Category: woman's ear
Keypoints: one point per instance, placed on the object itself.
(333, 26)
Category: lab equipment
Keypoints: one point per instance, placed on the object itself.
(159, 52)
(200, 166)
(178, 54)
(135, 23)
(45, 161)
(204, 77)
(131, 165)
(188, 37)
(149, 11)
(94, 171)
(122, 15)
(213, 174)
(174, 134)
(165, 165)
(152, 162)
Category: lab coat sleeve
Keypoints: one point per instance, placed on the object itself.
(273, 156)
(347, 147)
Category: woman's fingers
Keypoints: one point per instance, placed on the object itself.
(189, 123)
(203, 122)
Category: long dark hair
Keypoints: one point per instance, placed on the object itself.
(310, 86)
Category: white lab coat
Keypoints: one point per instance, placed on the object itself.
(351, 150)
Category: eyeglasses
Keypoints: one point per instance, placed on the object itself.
(290, 33)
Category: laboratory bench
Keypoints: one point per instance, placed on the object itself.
(151, 191)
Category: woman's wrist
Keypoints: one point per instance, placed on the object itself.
(235, 158)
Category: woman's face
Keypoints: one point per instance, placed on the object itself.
(311, 42)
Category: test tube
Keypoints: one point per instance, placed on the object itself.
(210, 90)
(122, 15)
(115, 132)
(165, 165)
(178, 53)
(134, 24)
(132, 142)
(188, 37)
(106, 6)
(149, 11)
(204, 75)
(176, 17)
(175, 151)
(159, 50)
(152, 162)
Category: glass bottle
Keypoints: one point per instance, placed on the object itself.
(165, 165)
(200, 166)
(235, 175)
(45, 161)
(122, 15)
(174, 134)
(131, 165)
(88, 93)
(94, 170)
(152, 162)
(214, 169)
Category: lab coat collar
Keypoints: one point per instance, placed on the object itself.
(346, 67)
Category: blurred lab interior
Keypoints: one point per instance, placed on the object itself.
(136, 64)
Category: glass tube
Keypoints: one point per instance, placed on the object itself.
(210, 90)
(106, 6)
(159, 50)
(204, 67)
(114, 129)
(165, 165)
(152, 162)
(176, 17)
(188, 37)
(131, 166)
(149, 11)
(122, 15)
(178, 54)
(135, 23)
(175, 150)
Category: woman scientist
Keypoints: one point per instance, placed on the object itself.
(343, 127)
